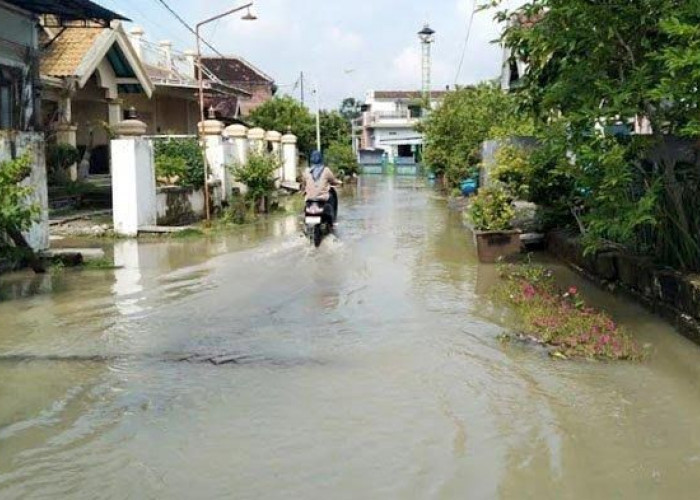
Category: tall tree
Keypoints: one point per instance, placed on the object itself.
(285, 113)
(350, 108)
(334, 128)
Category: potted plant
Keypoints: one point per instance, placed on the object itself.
(490, 216)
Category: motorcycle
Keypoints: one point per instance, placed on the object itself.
(319, 218)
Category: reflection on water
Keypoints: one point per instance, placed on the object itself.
(250, 365)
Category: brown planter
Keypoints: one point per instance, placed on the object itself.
(492, 246)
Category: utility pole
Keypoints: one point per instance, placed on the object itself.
(200, 78)
(318, 118)
(302, 87)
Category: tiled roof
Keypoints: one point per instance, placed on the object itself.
(64, 55)
(75, 10)
(235, 70)
(405, 94)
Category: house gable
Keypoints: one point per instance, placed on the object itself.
(81, 52)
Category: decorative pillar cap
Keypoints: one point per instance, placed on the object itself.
(273, 136)
(132, 127)
(65, 127)
(289, 139)
(210, 127)
(236, 130)
(256, 134)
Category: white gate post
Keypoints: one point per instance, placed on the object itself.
(274, 139)
(133, 179)
(210, 131)
(256, 140)
(238, 134)
(290, 157)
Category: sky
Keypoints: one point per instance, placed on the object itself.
(344, 47)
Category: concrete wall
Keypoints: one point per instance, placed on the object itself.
(178, 206)
(13, 145)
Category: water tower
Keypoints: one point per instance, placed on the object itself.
(427, 38)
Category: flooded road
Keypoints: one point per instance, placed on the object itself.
(370, 368)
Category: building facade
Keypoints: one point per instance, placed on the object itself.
(388, 125)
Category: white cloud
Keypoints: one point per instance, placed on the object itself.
(345, 39)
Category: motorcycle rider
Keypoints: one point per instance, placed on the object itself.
(318, 181)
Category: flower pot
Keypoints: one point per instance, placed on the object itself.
(492, 246)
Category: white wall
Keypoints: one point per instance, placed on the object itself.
(133, 185)
(176, 205)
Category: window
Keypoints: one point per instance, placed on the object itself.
(5, 106)
(9, 85)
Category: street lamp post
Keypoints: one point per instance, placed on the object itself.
(200, 81)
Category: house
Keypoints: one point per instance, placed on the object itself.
(239, 73)
(174, 108)
(94, 74)
(20, 101)
(88, 73)
(389, 124)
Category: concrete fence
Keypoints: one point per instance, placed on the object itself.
(14, 145)
(138, 203)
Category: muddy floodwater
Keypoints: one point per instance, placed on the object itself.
(370, 368)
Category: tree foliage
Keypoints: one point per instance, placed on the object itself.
(334, 129)
(454, 132)
(351, 108)
(181, 158)
(286, 113)
(257, 175)
(16, 213)
(592, 65)
(341, 159)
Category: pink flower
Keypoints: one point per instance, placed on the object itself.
(529, 291)
(605, 339)
(573, 291)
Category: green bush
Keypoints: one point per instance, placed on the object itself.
(257, 175)
(58, 158)
(341, 159)
(170, 153)
(15, 213)
(514, 170)
(491, 210)
(171, 168)
(455, 132)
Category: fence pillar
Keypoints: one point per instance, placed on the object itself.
(210, 131)
(256, 140)
(133, 179)
(238, 135)
(66, 133)
(274, 140)
(290, 157)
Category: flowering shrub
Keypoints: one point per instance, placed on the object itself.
(562, 320)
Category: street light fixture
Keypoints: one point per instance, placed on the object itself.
(249, 16)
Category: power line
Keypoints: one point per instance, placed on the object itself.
(466, 41)
(189, 28)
